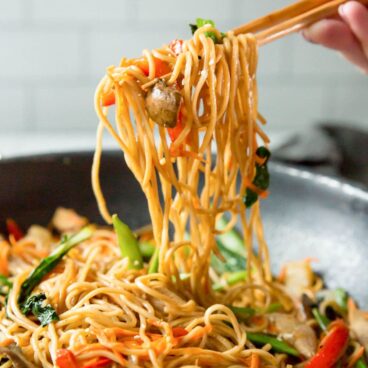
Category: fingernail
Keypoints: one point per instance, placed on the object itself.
(306, 36)
(342, 11)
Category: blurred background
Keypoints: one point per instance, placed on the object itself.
(54, 53)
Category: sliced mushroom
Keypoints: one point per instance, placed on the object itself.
(15, 354)
(162, 104)
(298, 334)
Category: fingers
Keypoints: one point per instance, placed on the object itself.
(336, 35)
(349, 35)
(356, 16)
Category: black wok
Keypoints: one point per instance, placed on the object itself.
(306, 215)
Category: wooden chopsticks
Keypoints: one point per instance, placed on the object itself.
(290, 19)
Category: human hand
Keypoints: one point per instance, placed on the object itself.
(347, 33)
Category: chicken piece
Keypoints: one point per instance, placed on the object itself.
(162, 104)
(358, 321)
(299, 276)
(298, 334)
(39, 235)
(67, 221)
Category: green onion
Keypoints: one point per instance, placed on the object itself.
(50, 262)
(231, 240)
(153, 265)
(322, 320)
(235, 277)
(128, 244)
(274, 307)
(277, 345)
(242, 313)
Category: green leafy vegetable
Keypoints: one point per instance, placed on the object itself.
(128, 243)
(45, 313)
(261, 179)
(250, 198)
(200, 22)
(50, 262)
(277, 345)
(322, 320)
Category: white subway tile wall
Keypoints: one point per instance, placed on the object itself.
(53, 53)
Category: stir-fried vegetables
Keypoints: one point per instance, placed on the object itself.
(98, 363)
(50, 262)
(277, 345)
(36, 305)
(128, 243)
(14, 229)
(153, 265)
(322, 320)
(65, 359)
(16, 356)
(146, 248)
(231, 240)
(162, 104)
(5, 285)
(360, 364)
(200, 22)
(261, 180)
(243, 313)
(332, 346)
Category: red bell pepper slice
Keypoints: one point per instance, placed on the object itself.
(332, 346)
(65, 359)
(14, 229)
(161, 67)
(174, 134)
(179, 331)
(108, 99)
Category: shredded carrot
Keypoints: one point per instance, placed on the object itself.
(355, 357)
(179, 331)
(282, 275)
(6, 342)
(255, 361)
(4, 252)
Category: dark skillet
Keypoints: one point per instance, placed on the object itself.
(306, 215)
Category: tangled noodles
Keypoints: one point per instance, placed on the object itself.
(189, 291)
